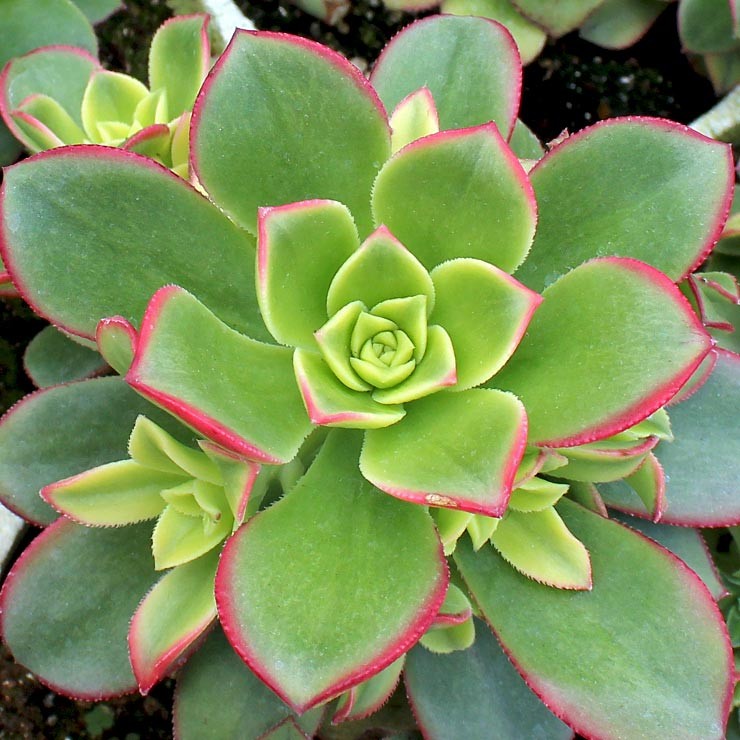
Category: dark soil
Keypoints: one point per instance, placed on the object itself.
(572, 85)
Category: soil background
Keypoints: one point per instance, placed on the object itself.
(571, 85)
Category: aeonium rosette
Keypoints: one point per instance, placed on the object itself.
(390, 287)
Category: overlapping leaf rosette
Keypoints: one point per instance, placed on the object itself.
(375, 368)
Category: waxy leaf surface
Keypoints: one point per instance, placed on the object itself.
(436, 53)
(333, 134)
(415, 189)
(52, 358)
(67, 603)
(300, 248)
(640, 187)
(458, 450)
(468, 693)
(649, 630)
(356, 583)
(217, 677)
(224, 384)
(177, 610)
(66, 430)
(702, 464)
(611, 342)
(557, 17)
(617, 24)
(96, 198)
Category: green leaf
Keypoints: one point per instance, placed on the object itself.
(335, 152)
(438, 53)
(192, 364)
(414, 117)
(458, 450)
(496, 213)
(701, 465)
(65, 430)
(365, 698)
(611, 342)
(539, 545)
(557, 18)
(485, 312)
(450, 638)
(110, 97)
(98, 197)
(536, 494)
(524, 143)
(46, 115)
(300, 248)
(529, 37)
(606, 460)
(61, 74)
(177, 610)
(27, 26)
(179, 59)
(331, 403)
(684, 542)
(53, 618)
(381, 269)
(642, 654)
(52, 358)
(641, 188)
(117, 493)
(435, 371)
(217, 677)
(10, 149)
(617, 24)
(310, 635)
(648, 482)
(116, 340)
(488, 693)
(707, 26)
(98, 10)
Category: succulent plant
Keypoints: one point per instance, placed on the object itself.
(384, 374)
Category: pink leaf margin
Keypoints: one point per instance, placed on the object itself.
(582, 722)
(193, 417)
(512, 48)
(333, 58)
(660, 396)
(47, 539)
(227, 611)
(723, 210)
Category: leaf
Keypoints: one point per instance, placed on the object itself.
(179, 59)
(110, 495)
(310, 635)
(684, 542)
(116, 340)
(524, 143)
(539, 545)
(440, 51)
(192, 364)
(110, 98)
(217, 677)
(178, 610)
(617, 24)
(485, 312)
(557, 18)
(27, 26)
(702, 465)
(335, 152)
(642, 654)
(707, 27)
(65, 430)
(611, 342)
(380, 270)
(330, 403)
(366, 698)
(97, 197)
(488, 693)
(458, 450)
(52, 602)
(59, 73)
(300, 247)
(473, 167)
(633, 187)
(414, 117)
(52, 358)
(98, 10)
